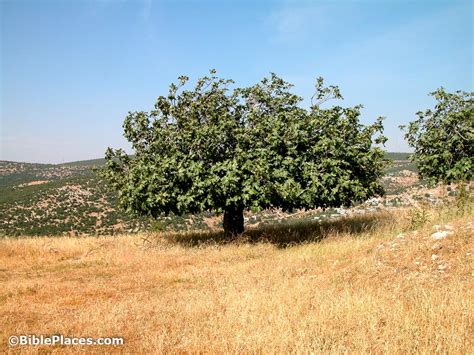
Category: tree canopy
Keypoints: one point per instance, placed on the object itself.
(443, 138)
(225, 149)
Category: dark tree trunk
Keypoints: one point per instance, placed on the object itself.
(233, 221)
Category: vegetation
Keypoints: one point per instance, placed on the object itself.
(89, 163)
(45, 199)
(213, 149)
(443, 138)
(41, 199)
(366, 284)
(384, 280)
(395, 156)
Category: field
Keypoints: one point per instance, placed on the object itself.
(378, 282)
(370, 278)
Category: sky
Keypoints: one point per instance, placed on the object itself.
(71, 70)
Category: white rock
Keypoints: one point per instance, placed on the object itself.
(434, 257)
(440, 235)
(436, 246)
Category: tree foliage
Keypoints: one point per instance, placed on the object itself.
(213, 147)
(443, 138)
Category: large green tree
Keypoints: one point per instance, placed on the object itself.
(443, 138)
(227, 150)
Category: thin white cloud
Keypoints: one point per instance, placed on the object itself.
(295, 22)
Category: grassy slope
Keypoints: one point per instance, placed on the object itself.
(360, 288)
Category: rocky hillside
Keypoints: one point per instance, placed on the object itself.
(44, 199)
(40, 199)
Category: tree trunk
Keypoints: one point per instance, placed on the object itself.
(233, 221)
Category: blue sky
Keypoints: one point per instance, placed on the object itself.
(71, 70)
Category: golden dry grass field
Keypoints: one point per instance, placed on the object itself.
(361, 284)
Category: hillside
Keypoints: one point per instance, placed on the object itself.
(89, 163)
(46, 199)
(384, 282)
(40, 199)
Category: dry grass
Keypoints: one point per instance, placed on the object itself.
(344, 286)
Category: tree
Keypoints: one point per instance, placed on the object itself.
(213, 148)
(443, 138)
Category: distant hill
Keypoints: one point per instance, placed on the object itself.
(397, 156)
(41, 199)
(90, 162)
(70, 198)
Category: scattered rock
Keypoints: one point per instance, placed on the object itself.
(440, 235)
(436, 246)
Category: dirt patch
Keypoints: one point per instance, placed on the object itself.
(32, 183)
(212, 222)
